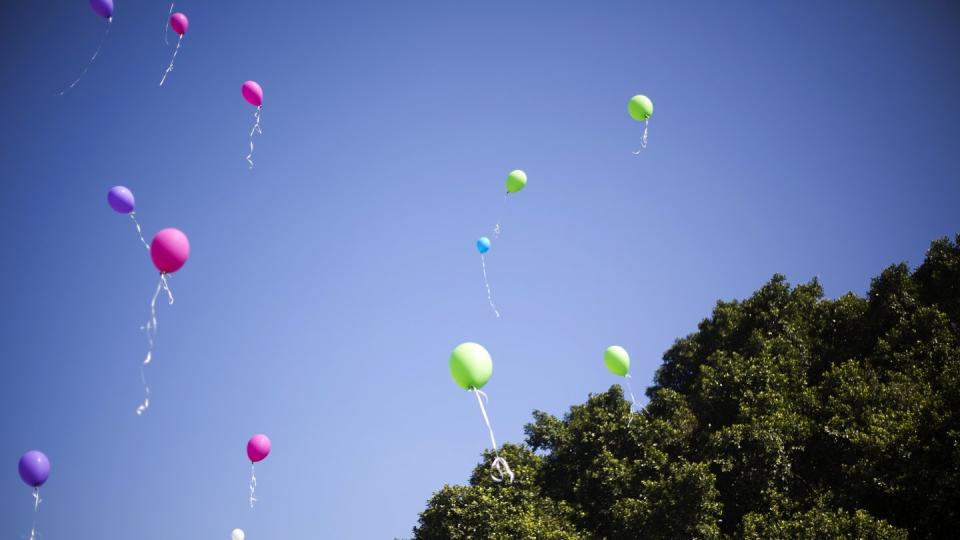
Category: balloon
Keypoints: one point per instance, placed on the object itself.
(617, 360)
(516, 181)
(103, 8)
(258, 448)
(483, 244)
(640, 108)
(120, 199)
(252, 93)
(471, 366)
(169, 250)
(34, 468)
(237, 534)
(179, 23)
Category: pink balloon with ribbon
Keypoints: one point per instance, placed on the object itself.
(179, 23)
(258, 448)
(253, 93)
(169, 251)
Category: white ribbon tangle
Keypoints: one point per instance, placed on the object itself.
(151, 329)
(500, 468)
(253, 484)
(646, 131)
(255, 129)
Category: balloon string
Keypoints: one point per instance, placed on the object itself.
(36, 508)
(633, 400)
(151, 329)
(172, 60)
(256, 129)
(483, 264)
(253, 484)
(92, 58)
(646, 133)
(166, 26)
(139, 231)
(496, 228)
(499, 467)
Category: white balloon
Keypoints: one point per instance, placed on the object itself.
(237, 534)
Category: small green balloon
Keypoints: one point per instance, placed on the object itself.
(470, 366)
(640, 108)
(617, 360)
(516, 181)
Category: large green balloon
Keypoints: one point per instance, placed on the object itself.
(516, 181)
(470, 366)
(617, 360)
(640, 108)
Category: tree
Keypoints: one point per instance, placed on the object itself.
(786, 415)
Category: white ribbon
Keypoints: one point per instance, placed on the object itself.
(256, 128)
(151, 329)
(92, 58)
(643, 141)
(166, 26)
(36, 508)
(499, 467)
(172, 60)
(633, 400)
(139, 230)
(253, 484)
(486, 283)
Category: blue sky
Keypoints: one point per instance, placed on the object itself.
(327, 287)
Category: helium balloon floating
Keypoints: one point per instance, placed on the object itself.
(121, 201)
(103, 8)
(618, 362)
(483, 246)
(34, 468)
(179, 23)
(258, 448)
(641, 109)
(169, 251)
(471, 368)
(516, 181)
(237, 534)
(252, 92)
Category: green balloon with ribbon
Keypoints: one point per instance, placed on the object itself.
(471, 367)
(618, 362)
(641, 109)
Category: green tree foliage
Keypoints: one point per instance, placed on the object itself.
(786, 415)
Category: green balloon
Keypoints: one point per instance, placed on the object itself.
(470, 366)
(516, 181)
(617, 360)
(640, 108)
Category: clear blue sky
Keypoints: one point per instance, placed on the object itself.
(327, 287)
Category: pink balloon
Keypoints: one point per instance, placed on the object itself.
(252, 93)
(179, 23)
(258, 447)
(169, 250)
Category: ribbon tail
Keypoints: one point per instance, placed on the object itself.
(499, 469)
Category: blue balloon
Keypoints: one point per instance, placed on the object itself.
(483, 245)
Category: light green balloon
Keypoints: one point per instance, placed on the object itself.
(617, 360)
(640, 108)
(516, 181)
(470, 366)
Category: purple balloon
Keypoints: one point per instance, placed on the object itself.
(34, 468)
(120, 199)
(103, 8)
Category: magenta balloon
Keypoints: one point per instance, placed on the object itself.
(34, 468)
(258, 447)
(252, 93)
(120, 199)
(103, 8)
(169, 250)
(179, 23)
